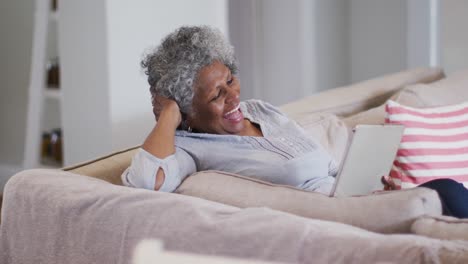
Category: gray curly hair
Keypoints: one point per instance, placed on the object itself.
(173, 67)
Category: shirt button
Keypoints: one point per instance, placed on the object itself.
(291, 144)
(282, 139)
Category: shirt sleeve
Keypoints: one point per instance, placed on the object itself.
(322, 185)
(144, 167)
(333, 167)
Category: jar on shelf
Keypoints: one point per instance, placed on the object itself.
(56, 145)
(53, 73)
(54, 5)
(51, 148)
(45, 145)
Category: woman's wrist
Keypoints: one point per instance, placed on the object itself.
(170, 116)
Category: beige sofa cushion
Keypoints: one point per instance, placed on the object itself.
(441, 227)
(388, 212)
(452, 90)
(448, 91)
(108, 168)
(328, 130)
(348, 100)
(373, 116)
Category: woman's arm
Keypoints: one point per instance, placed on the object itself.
(160, 141)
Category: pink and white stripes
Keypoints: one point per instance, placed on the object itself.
(434, 144)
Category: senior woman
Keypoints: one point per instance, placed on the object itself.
(202, 125)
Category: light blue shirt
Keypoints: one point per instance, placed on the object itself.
(284, 155)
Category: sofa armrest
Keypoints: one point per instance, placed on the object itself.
(108, 168)
(441, 227)
(387, 212)
(52, 216)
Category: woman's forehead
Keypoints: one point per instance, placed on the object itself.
(210, 76)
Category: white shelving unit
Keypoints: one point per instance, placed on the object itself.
(53, 94)
(44, 102)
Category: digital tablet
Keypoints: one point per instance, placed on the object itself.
(369, 156)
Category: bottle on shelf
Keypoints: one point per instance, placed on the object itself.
(56, 145)
(44, 98)
(53, 74)
(54, 5)
(51, 148)
(45, 145)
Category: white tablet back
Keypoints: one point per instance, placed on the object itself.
(369, 156)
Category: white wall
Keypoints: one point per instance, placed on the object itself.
(423, 33)
(265, 36)
(16, 26)
(378, 38)
(106, 97)
(280, 70)
(85, 81)
(332, 20)
(134, 27)
(454, 39)
(243, 36)
(289, 49)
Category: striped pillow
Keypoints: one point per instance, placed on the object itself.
(434, 144)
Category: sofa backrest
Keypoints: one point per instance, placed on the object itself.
(349, 100)
(447, 91)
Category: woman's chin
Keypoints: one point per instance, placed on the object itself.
(234, 128)
(234, 124)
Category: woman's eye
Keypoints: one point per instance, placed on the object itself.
(229, 82)
(216, 97)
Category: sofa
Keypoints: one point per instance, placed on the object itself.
(83, 214)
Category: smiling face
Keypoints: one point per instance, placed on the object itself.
(215, 106)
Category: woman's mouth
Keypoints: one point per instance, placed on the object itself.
(235, 115)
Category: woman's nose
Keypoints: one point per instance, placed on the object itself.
(232, 96)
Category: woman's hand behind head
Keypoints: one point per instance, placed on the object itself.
(158, 104)
(167, 110)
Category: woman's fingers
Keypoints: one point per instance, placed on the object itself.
(159, 102)
(388, 183)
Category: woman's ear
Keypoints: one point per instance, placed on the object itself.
(183, 123)
(187, 120)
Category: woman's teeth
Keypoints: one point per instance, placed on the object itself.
(232, 111)
(235, 115)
